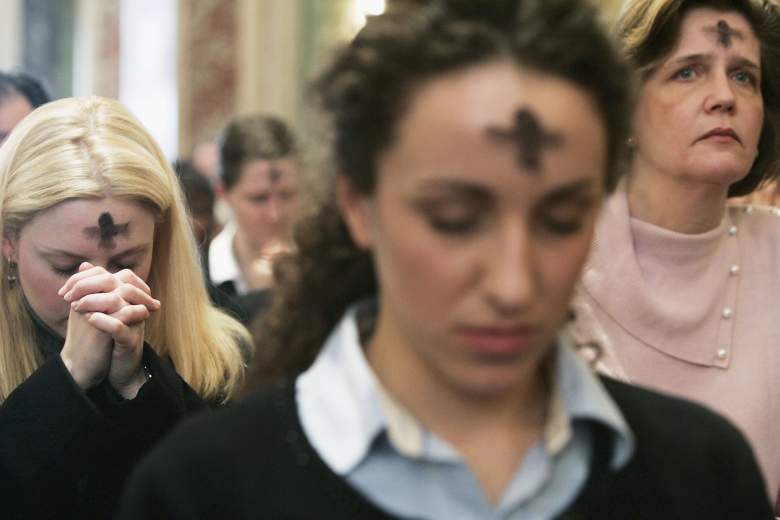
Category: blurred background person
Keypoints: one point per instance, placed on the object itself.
(259, 179)
(205, 160)
(200, 205)
(20, 94)
(200, 201)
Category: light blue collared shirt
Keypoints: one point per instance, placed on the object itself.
(368, 438)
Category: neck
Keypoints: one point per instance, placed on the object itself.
(244, 248)
(491, 433)
(674, 203)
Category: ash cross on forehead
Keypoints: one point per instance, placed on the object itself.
(724, 33)
(530, 137)
(275, 174)
(106, 230)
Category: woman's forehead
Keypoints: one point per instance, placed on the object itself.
(103, 221)
(462, 121)
(709, 30)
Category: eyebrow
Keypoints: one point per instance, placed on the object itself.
(569, 190)
(738, 60)
(556, 194)
(61, 252)
(455, 187)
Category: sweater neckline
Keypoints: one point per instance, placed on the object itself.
(674, 292)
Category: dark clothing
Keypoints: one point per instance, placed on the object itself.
(227, 301)
(254, 461)
(244, 307)
(65, 453)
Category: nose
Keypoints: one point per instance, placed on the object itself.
(721, 97)
(274, 209)
(511, 281)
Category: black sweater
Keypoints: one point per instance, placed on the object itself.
(65, 453)
(254, 461)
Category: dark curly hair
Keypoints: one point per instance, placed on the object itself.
(649, 29)
(365, 91)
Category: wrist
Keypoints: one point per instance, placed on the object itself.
(130, 389)
(83, 379)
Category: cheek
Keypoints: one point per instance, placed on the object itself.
(40, 286)
(144, 267)
(665, 120)
(662, 124)
(423, 274)
(756, 125)
(561, 268)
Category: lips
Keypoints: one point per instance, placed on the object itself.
(721, 133)
(501, 341)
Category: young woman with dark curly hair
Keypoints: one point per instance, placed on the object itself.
(417, 329)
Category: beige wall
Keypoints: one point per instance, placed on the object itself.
(234, 56)
(268, 69)
(207, 62)
(241, 56)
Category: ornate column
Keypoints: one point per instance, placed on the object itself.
(207, 69)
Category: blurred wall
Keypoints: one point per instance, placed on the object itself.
(232, 56)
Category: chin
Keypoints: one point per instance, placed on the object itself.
(490, 383)
(720, 170)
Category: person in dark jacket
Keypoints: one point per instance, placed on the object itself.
(107, 335)
(416, 366)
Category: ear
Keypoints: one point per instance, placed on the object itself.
(9, 249)
(355, 210)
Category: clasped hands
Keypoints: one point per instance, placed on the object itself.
(105, 333)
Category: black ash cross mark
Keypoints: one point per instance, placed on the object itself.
(275, 174)
(724, 33)
(106, 230)
(530, 138)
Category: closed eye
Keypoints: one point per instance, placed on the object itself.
(65, 271)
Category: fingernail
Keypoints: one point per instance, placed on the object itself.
(68, 296)
(62, 290)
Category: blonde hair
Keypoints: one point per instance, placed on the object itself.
(91, 148)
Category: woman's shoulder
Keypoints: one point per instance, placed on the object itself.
(688, 462)
(684, 440)
(247, 460)
(663, 417)
(754, 216)
(235, 437)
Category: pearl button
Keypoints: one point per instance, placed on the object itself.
(748, 209)
(722, 353)
(733, 230)
(727, 313)
(734, 270)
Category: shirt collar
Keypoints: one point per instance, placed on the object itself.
(343, 422)
(586, 399)
(223, 266)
